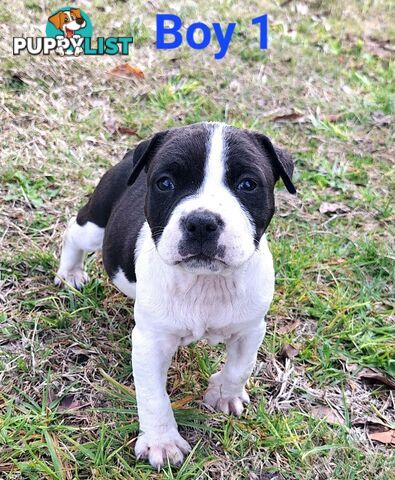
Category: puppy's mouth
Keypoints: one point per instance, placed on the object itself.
(69, 33)
(201, 261)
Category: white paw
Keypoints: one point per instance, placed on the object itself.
(161, 447)
(76, 278)
(219, 398)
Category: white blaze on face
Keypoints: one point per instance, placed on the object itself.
(215, 167)
(237, 236)
(72, 25)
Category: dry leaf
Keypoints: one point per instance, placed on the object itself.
(68, 403)
(288, 327)
(289, 351)
(328, 208)
(292, 116)
(373, 422)
(387, 437)
(182, 401)
(326, 413)
(127, 71)
(126, 131)
(371, 374)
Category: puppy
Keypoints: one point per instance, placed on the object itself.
(181, 222)
(68, 21)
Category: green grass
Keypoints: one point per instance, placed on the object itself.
(334, 297)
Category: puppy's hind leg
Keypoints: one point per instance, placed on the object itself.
(77, 239)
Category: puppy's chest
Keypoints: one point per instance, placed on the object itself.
(211, 308)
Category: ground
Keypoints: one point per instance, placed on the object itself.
(325, 91)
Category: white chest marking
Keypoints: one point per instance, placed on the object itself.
(191, 306)
(126, 286)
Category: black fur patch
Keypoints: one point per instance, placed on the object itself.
(182, 158)
(247, 157)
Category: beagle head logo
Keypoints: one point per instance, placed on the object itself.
(68, 21)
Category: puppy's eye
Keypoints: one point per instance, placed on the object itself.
(247, 185)
(66, 20)
(165, 184)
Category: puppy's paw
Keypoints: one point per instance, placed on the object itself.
(225, 402)
(158, 448)
(76, 278)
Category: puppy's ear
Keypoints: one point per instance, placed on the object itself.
(282, 162)
(76, 12)
(143, 153)
(57, 20)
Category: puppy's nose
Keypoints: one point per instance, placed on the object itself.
(201, 225)
(80, 20)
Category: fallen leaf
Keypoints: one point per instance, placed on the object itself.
(328, 208)
(182, 401)
(373, 422)
(284, 115)
(326, 413)
(371, 374)
(292, 116)
(126, 131)
(387, 437)
(289, 351)
(127, 71)
(288, 327)
(69, 403)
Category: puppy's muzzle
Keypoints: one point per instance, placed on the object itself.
(80, 21)
(201, 226)
(200, 233)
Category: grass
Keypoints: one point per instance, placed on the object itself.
(67, 406)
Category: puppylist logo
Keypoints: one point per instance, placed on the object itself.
(69, 32)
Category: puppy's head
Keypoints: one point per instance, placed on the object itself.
(68, 21)
(210, 193)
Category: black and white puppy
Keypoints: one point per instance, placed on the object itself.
(181, 222)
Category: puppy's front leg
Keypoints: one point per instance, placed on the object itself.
(226, 390)
(159, 439)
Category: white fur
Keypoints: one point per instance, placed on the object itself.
(123, 284)
(77, 240)
(174, 307)
(238, 234)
